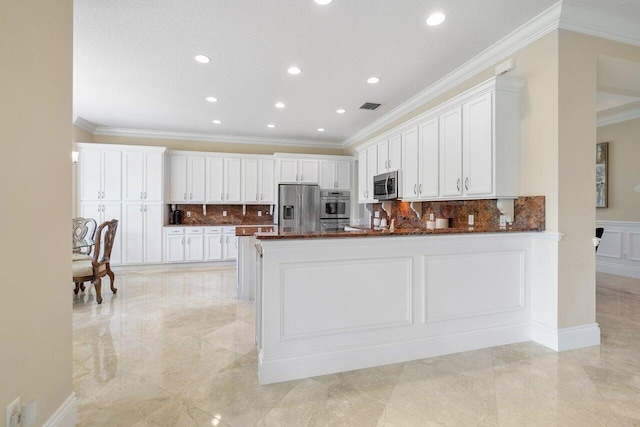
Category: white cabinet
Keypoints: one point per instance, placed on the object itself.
(451, 153)
(389, 154)
(258, 180)
(303, 171)
(477, 147)
(367, 169)
(194, 247)
(230, 244)
(142, 175)
(213, 242)
(335, 174)
(429, 159)
(174, 244)
(100, 174)
(106, 211)
(410, 164)
(187, 179)
(184, 244)
(142, 233)
(223, 180)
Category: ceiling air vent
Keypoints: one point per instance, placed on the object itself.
(369, 106)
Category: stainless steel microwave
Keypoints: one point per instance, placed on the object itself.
(387, 186)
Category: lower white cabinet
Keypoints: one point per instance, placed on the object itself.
(106, 211)
(142, 233)
(198, 244)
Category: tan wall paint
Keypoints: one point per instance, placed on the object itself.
(624, 171)
(174, 144)
(35, 171)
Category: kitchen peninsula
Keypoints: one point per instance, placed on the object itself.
(332, 302)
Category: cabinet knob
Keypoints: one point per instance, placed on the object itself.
(420, 188)
(98, 194)
(141, 195)
(145, 195)
(185, 196)
(103, 194)
(190, 196)
(466, 183)
(227, 196)
(221, 196)
(415, 189)
(458, 184)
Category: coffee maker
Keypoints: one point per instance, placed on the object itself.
(177, 216)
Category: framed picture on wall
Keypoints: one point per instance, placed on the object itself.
(602, 158)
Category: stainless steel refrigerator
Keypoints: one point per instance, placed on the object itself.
(299, 209)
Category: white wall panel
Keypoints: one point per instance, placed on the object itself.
(611, 244)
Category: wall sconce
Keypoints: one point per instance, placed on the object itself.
(74, 157)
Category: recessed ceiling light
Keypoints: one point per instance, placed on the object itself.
(217, 122)
(270, 126)
(203, 59)
(294, 70)
(436, 19)
(279, 105)
(373, 80)
(321, 129)
(341, 111)
(212, 99)
(323, 2)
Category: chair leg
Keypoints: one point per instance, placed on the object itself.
(77, 289)
(98, 285)
(113, 279)
(82, 288)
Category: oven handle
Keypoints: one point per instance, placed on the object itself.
(386, 186)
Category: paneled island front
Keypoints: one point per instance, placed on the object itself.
(332, 302)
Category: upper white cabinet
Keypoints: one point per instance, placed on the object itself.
(100, 175)
(258, 180)
(223, 180)
(214, 179)
(390, 154)
(367, 169)
(466, 148)
(266, 180)
(142, 174)
(298, 170)
(232, 180)
(335, 174)
(187, 178)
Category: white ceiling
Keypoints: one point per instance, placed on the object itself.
(134, 67)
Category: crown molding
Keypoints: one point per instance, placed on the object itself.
(83, 124)
(586, 21)
(207, 137)
(533, 30)
(610, 119)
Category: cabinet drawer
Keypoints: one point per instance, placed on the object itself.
(213, 230)
(229, 230)
(174, 230)
(194, 230)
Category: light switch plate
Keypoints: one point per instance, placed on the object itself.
(224, 213)
(259, 213)
(188, 214)
(503, 221)
(471, 219)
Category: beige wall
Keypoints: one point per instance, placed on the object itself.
(174, 144)
(624, 171)
(35, 170)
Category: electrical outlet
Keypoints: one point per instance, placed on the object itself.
(188, 214)
(503, 221)
(259, 213)
(13, 413)
(376, 214)
(224, 213)
(471, 219)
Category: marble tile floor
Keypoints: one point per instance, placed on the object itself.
(174, 348)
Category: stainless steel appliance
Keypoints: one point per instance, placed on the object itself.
(335, 204)
(333, 225)
(387, 186)
(299, 209)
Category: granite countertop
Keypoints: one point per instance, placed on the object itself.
(220, 225)
(368, 232)
(250, 230)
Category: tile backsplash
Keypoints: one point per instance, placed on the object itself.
(234, 216)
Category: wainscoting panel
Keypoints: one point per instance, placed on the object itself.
(619, 250)
(611, 244)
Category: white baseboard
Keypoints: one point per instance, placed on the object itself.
(66, 415)
(159, 267)
(618, 269)
(565, 338)
(311, 365)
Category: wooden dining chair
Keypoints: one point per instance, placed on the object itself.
(82, 229)
(94, 269)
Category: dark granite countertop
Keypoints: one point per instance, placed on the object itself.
(250, 230)
(367, 232)
(220, 225)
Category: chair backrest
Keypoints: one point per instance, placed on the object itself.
(105, 235)
(83, 228)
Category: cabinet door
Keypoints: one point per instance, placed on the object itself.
(215, 179)
(178, 177)
(153, 177)
(309, 171)
(113, 210)
(428, 182)
(328, 174)
(213, 247)
(133, 234)
(133, 175)
(383, 156)
(174, 248)
(477, 146)
(90, 176)
(410, 164)
(362, 176)
(372, 170)
(250, 181)
(196, 179)
(232, 180)
(195, 248)
(230, 247)
(451, 153)
(395, 153)
(112, 175)
(266, 181)
(343, 174)
(153, 233)
(287, 171)
(91, 210)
